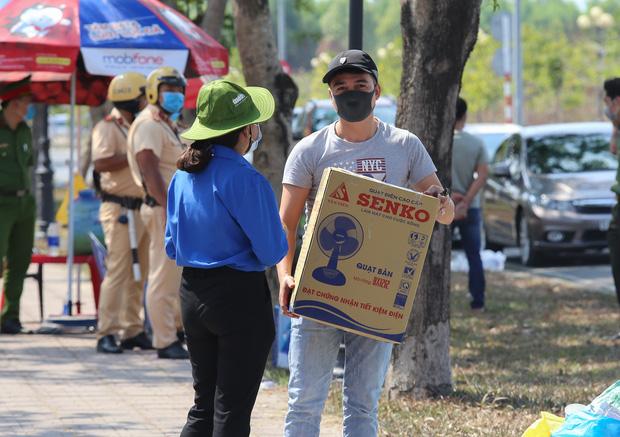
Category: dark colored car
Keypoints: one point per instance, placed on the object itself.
(549, 190)
(316, 114)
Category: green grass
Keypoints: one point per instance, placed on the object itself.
(538, 347)
(279, 376)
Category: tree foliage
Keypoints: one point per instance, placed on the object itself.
(563, 68)
(480, 86)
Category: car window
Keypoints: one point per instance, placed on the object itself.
(570, 153)
(502, 151)
(509, 150)
(515, 150)
(514, 155)
(322, 117)
(386, 113)
(491, 141)
(297, 121)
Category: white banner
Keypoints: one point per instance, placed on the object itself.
(110, 62)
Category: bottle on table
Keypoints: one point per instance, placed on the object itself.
(53, 239)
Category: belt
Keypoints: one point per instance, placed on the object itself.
(14, 193)
(124, 201)
(150, 201)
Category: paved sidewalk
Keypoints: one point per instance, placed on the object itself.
(57, 385)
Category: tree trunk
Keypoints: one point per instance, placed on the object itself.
(214, 18)
(261, 67)
(438, 36)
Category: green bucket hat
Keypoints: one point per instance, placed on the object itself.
(223, 107)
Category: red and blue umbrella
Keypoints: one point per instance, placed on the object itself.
(111, 36)
(97, 39)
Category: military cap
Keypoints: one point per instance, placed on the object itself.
(12, 90)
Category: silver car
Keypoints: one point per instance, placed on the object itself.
(548, 190)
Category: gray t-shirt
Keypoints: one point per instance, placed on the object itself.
(392, 155)
(468, 152)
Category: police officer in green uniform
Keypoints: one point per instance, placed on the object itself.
(16, 201)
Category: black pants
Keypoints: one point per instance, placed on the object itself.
(228, 320)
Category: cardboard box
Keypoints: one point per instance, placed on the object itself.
(362, 255)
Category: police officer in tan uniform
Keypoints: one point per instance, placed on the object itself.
(121, 291)
(154, 147)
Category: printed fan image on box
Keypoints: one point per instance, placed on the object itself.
(362, 255)
(340, 237)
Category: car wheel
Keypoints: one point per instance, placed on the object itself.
(530, 256)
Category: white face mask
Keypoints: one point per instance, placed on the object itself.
(256, 142)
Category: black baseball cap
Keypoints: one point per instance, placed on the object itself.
(351, 60)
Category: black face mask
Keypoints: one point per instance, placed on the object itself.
(354, 106)
(131, 106)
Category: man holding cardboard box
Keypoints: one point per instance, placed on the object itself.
(361, 143)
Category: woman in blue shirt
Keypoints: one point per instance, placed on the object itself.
(223, 228)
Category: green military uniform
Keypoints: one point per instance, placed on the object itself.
(17, 212)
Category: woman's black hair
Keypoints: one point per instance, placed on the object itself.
(197, 156)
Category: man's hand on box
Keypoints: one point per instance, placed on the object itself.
(287, 284)
(446, 206)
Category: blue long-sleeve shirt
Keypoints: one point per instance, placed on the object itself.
(225, 215)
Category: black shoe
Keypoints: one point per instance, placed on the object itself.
(174, 352)
(12, 326)
(478, 308)
(108, 345)
(140, 341)
(181, 336)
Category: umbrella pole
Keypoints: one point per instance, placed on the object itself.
(69, 303)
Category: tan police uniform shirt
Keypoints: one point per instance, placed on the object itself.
(109, 138)
(152, 130)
